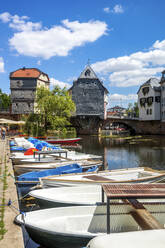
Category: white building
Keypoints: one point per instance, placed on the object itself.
(162, 83)
(149, 100)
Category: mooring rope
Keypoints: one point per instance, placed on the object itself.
(10, 204)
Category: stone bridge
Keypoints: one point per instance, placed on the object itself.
(137, 126)
(93, 125)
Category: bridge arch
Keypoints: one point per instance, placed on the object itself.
(128, 124)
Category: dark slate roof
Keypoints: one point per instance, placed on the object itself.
(153, 82)
(88, 74)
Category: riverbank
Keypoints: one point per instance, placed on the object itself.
(10, 234)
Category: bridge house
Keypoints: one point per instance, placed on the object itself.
(90, 98)
(89, 94)
(162, 106)
(23, 85)
(149, 97)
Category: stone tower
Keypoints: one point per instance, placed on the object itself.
(23, 85)
(90, 98)
(89, 94)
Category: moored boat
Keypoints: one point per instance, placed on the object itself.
(23, 168)
(142, 239)
(130, 175)
(32, 178)
(63, 141)
(51, 156)
(67, 196)
(76, 226)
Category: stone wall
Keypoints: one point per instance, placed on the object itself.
(89, 97)
(22, 95)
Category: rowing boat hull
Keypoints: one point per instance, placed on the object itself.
(131, 175)
(75, 226)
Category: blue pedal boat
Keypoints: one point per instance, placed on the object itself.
(30, 179)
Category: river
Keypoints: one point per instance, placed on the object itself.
(145, 151)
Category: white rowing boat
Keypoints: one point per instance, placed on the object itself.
(20, 158)
(76, 226)
(130, 175)
(67, 196)
(139, 239)
(23, 168)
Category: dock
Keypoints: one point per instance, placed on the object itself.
(129, 193)
(10, 234)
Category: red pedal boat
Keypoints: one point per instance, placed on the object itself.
(63, 141)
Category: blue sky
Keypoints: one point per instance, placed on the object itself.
(124, 41)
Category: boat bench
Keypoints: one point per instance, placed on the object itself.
(49, 153)
(142, 216)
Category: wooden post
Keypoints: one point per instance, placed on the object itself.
(102, 194)
(108, 215)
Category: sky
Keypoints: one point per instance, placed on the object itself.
(122, 40)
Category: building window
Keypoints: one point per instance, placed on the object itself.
(142, 102)
(87, 73)
(150, 111)
(157, 98)
(147, 111)
(145, 90)
(150, 100)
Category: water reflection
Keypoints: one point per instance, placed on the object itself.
(118, 153)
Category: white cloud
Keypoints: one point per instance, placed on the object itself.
(5, 17)
(2, 65)
(132, 78)
(71, 79)
(38, 62)
(31, 39)
(121, 100)
(118, 97)
(135, 69)
(106, 10)
(159, 44)
(118, 9)
(54, 82)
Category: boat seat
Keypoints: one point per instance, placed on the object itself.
(97, 178)
(142, 216)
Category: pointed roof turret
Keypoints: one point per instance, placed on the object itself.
(88, 73)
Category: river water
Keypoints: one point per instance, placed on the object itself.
(117, 153)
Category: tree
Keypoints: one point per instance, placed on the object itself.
(52, 110)
(136, 109)
(5, 101)
(133, 109)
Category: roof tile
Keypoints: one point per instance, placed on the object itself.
(26, 73)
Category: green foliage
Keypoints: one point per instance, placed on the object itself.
(133, 109)
(5, 101)
(53, 109)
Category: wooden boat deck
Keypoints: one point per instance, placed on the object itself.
(129, 193)
(98, 178)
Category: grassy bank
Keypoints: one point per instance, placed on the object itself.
(2, 208)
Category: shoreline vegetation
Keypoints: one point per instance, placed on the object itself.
(132, 139)
(2, 208)
(52, 112)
